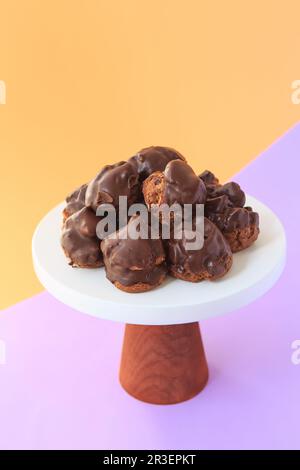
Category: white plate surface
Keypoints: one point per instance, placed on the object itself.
(254, 272)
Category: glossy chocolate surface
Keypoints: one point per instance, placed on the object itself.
(79, 240)
(225, 205)
(207, 259)
(113, 181)
(209, 178)
(234, 218)
(75, 201)
(155, 158)
(182, 185)
(133, 261)
(236, 196)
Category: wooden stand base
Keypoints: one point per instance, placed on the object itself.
(163, 364)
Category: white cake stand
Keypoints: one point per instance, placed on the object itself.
(163, 360)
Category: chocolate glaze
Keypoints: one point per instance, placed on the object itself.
(133, 261)
(211, 259)
(79, 240)
(155, 158)
(208, 178)
(75, 201)
(182, 185)
(236, 196)
(234, 218)
(217, 204)
(225, 205)
(120, 179)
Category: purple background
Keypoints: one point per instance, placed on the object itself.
(59, 386)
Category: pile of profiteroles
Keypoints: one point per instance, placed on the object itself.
(156, 176)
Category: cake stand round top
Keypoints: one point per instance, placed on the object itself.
(254, 272)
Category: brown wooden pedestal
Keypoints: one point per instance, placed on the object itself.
(163, 364)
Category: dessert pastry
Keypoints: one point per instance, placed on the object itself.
(75, 201)
(177, 184)
(155, 158)
(239, 225)
(113, 181)
(225, 208)
(79, 240)
(210, 262)
(134, 265)
(214, 189)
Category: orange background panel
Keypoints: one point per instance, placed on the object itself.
(90, 82)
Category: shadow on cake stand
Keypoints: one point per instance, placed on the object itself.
(163, 359)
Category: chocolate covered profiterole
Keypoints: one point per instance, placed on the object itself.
(210, 262)
(162, 175)
(113, 181)
(225, 208)
(134, 265)
(236, 196)
(239, 225)
(79, 240)
(75, 201)
(177, 184)
(155, 158)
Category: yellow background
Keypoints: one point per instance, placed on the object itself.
(91, 81)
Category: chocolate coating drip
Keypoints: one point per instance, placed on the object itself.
(79, 240)
(155, 158)
(75, 201)
(212, 261)
(182, 185)
(130, 262)
(234, 218)
(113, 181)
